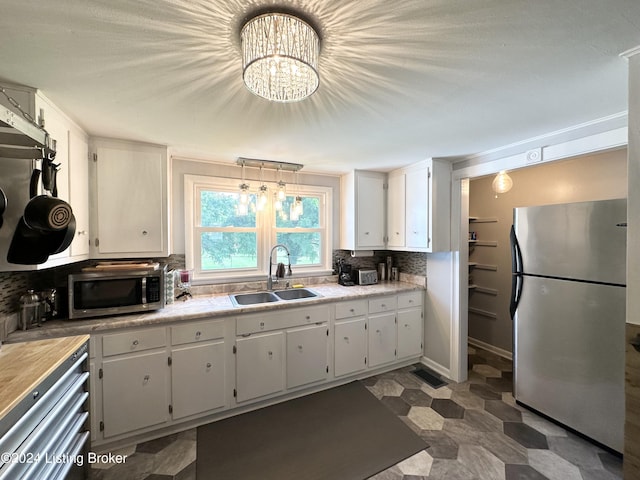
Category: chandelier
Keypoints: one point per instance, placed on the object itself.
(280, 57)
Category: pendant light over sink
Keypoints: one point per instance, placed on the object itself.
(280, 57)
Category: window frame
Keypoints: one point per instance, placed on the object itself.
(266, 230)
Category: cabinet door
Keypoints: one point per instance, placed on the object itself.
(410, 332)
(135, 392)
(79, 192)
(130, 179)
(382, 339)
(370, 204)
(259, 365)
(417, 209)
(350, 347)
(396, 210)
(306, 355)
(197, 379)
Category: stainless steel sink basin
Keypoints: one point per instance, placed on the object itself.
(239, 299)
(295, 294)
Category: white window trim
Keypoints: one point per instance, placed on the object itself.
(266, 232)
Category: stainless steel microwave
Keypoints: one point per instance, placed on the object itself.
(99, 294)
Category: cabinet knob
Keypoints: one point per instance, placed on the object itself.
(198, 333)
(135, 343)
(406, 325)
(146, 378)
(383, 305)
(346, 339)
(366, 233)
(308, 317)
(261, 324)
(410, 301)
(378, 332)
(145, 233)
(397, 233)
(82, 232)
(208, 365)
(300, 347)
(270, 354)
(352, 310)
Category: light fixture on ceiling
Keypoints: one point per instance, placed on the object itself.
(280, 57)
(502, 183)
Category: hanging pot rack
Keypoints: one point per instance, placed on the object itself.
(21, 137)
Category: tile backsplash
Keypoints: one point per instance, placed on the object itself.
(413, 263)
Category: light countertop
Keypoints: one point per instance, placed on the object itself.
(23, 366)
(209, 306)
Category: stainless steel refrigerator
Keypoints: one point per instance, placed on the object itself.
(568, 307)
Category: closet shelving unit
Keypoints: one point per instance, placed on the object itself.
(482, 266)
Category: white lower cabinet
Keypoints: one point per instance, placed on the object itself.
(197, 378)
(135, 391)
(382, 339)
(149, 378)
(259, 365)
(350, 346)
(307, 355)
(410, 324)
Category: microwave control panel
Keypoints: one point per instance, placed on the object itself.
(153, 289)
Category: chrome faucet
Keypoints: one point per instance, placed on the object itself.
(270, 277)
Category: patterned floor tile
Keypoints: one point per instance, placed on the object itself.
(426, 418)
(553, 466)
(482, 463)
(482, 390)
(485, 440)
(525, 435)
(397, 405)
(503, 411)
(577, 451)
(522, 472)
(418, 465)
(447, 408)
(416, 397)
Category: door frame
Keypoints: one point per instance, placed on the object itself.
(599, 136)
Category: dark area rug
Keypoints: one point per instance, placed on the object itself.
(344, 433)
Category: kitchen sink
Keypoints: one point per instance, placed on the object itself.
(240, 299)
(295, 294)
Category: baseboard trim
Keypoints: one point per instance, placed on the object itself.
(491, 348)
(436, 367)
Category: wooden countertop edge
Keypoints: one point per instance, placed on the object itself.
(23, 366)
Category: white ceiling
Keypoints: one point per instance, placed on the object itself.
(400, 80)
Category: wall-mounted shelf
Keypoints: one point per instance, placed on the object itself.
(483, 220)
(487, 291)
(482, 266)
(484, 313)
(472, 286)
(485, 243)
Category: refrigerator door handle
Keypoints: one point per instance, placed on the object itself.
(516, 273)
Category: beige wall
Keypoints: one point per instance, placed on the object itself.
(594, 177)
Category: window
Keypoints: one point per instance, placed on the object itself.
(222, 244)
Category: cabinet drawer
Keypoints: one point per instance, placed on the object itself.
(382, 304)
(354, 308)
(136, 341)
(282, 319)
(411, 299)
(197, 332)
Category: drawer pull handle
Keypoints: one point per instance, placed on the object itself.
(208, 365)
(198, 333)
(136, 343)
(261, 324)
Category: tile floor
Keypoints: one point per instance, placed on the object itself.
(474, 430)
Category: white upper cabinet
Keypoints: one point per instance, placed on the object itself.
(395, 209)
(362, 209)
(425, 208)
(129, 200)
